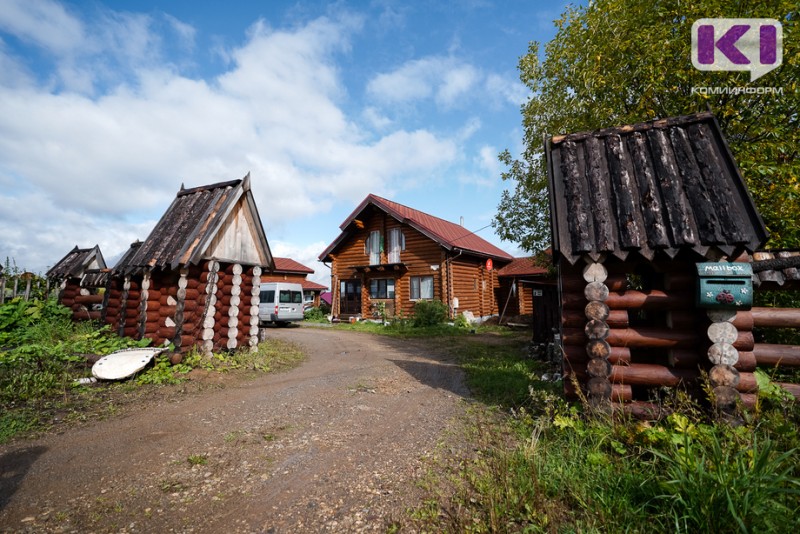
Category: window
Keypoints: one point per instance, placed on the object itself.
(290, 297)
(381, 288)
(374, 247)
(397, 243)
(421, 287)
(268, 296)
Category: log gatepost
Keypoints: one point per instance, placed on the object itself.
(598, 368)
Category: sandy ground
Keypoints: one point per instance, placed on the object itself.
(337, 444)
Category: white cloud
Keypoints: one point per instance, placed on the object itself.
(449, 81)
(445, 79)
(376, 119)
(185, 32)
(506, 90)
(42, 22)
(101, 168)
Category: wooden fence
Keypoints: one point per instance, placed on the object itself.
(25, 285)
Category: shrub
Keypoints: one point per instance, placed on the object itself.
(429, 313)
(315, 315)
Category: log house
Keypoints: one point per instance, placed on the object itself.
(388, 256)
(78, 277)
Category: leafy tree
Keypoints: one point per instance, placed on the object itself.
(618, 62)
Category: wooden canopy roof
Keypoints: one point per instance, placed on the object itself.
(664, 185)
(447, 234)
(217, 221)
(77, 262)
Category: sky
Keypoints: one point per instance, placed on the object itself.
(106, 108)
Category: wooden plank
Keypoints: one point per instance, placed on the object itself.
(703, 208)
(712, 170)
(599, 196)
(625, 189)
(577, 205)
(650, 197)
(670, 184)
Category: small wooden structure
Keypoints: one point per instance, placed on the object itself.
(289, 270)
(195, 279)
(79, 276)
(528, 293)
(633, 209)
(388, 256)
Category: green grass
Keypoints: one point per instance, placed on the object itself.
(539, 464)
(41, 355)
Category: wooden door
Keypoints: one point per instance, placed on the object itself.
(350, 297)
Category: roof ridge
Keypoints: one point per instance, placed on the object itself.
(633, 127)
(200, 189)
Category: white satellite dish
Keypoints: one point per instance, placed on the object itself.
(123, 363)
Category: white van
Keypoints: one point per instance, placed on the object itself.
(280, 303)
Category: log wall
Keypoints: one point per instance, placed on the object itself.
(463, 277)
(213, 306)
(655, 337)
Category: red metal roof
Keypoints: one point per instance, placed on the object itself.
(522, 267)
(308, 285)
(445, 233)
(288, 265)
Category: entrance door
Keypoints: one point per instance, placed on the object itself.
(350, 297)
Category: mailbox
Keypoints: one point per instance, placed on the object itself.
(722, 285)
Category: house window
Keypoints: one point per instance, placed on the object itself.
(374, 247)
(381, 288)
(397, 243)
(421, 287)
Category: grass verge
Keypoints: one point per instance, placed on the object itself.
(538, 464)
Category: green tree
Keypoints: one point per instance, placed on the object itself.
(618, 62)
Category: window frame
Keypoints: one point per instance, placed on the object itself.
(397, 244)
(419, 286)
(387, 282)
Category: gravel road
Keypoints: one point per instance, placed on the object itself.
(334, 445)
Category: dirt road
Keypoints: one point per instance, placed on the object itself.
(333, 445)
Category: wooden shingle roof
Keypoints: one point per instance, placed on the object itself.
(194, 225)
(664, 185)
(447, 234)
(76, 262)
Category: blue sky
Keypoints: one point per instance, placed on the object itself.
(107, 107)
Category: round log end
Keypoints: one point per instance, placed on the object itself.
(723, 375)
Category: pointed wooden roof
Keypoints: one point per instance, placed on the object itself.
(666, 185)
(447, 234)
(218, 221)
(77, 262)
